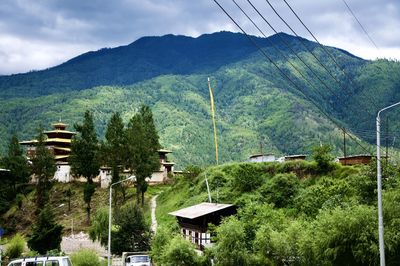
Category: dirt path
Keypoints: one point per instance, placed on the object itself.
(153, 206)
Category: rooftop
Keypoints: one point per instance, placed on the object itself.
(199, 210)
(164, 151)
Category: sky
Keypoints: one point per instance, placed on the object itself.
(38, 34)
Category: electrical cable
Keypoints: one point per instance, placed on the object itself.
(284, 74)
(327, 51)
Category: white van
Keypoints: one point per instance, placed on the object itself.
(42, 261)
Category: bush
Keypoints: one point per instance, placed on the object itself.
(180, 252)
(16, 246)
(246, 177)
(323, 157)
(19, 200)
(85, 257)
(281, 189)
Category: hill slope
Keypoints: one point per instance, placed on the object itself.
(254, 102)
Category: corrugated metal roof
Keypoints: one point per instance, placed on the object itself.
(199, 210)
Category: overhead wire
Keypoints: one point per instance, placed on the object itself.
(327, 51)
(284, 56)
(284, 74)
(288, 45)
(359, 23)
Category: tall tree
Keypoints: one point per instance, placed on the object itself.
(43, 169)
(142, 147)
(17, 163)
(114, 150)
(133, 232)
(84, 157)
(46, 233)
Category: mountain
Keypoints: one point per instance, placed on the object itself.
(255, 103)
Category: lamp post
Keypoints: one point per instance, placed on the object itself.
(379, 181)
(109, 217)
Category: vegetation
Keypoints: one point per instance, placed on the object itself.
(255, 104)
(85, 257)
(43, 169)
(15, 247)
(46, 233)
(297, 214)
(84, 157)
(132, 232)
(142, 158)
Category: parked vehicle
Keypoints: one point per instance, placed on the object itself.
(42, 261)
(138, 260)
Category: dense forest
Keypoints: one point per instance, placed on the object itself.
(256, 106)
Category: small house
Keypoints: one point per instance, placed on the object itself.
(355, 159)
(194, 220)
(259, 158)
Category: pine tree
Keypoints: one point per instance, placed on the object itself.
(142, 147)
(46, 233)
(43, 169)
(17, 163)
(84, 158)
(114, 149)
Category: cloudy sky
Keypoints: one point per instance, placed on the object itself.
(36, 34)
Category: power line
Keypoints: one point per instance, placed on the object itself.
(359, 23)
(327, 52)
(301, 41)
(284, 56)
(284, 74)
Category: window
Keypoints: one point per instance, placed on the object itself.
(52, 263)
(34, 263)
(16, 264)
(66, 262)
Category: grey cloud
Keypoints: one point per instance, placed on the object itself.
(103, 23)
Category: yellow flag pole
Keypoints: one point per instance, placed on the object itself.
(213, 119)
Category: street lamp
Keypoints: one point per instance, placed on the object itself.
(109, 217)
(379, 181)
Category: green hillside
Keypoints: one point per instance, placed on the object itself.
(254, 103)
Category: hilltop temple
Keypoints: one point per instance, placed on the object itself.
(58, 141)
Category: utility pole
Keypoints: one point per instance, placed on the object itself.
(387, 141)
(379, 184)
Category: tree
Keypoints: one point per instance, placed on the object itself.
(43, 169)
(230, 248)
(133, 233)
(99, 228)
(142, 147)
(113, 149)
(17, 163)
(180, 252)
(323, 158)
(46, 233)
(84, 157)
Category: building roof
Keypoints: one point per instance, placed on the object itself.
(4, 170)
(34, 141)
(199, 210)
(58, 157)
(356, 156)
(260, 155)
(164, 151)
(295, 156)
(168, 163)
(59, 131)
(62, 148)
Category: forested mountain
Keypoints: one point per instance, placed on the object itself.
(255, 103)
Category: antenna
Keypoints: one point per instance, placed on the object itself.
(208, 190)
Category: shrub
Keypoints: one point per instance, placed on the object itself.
(323, 157)
(246, 177)
(19, 199)
(85, 257)
(15, 247)
(281, 189)
(180, 252)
